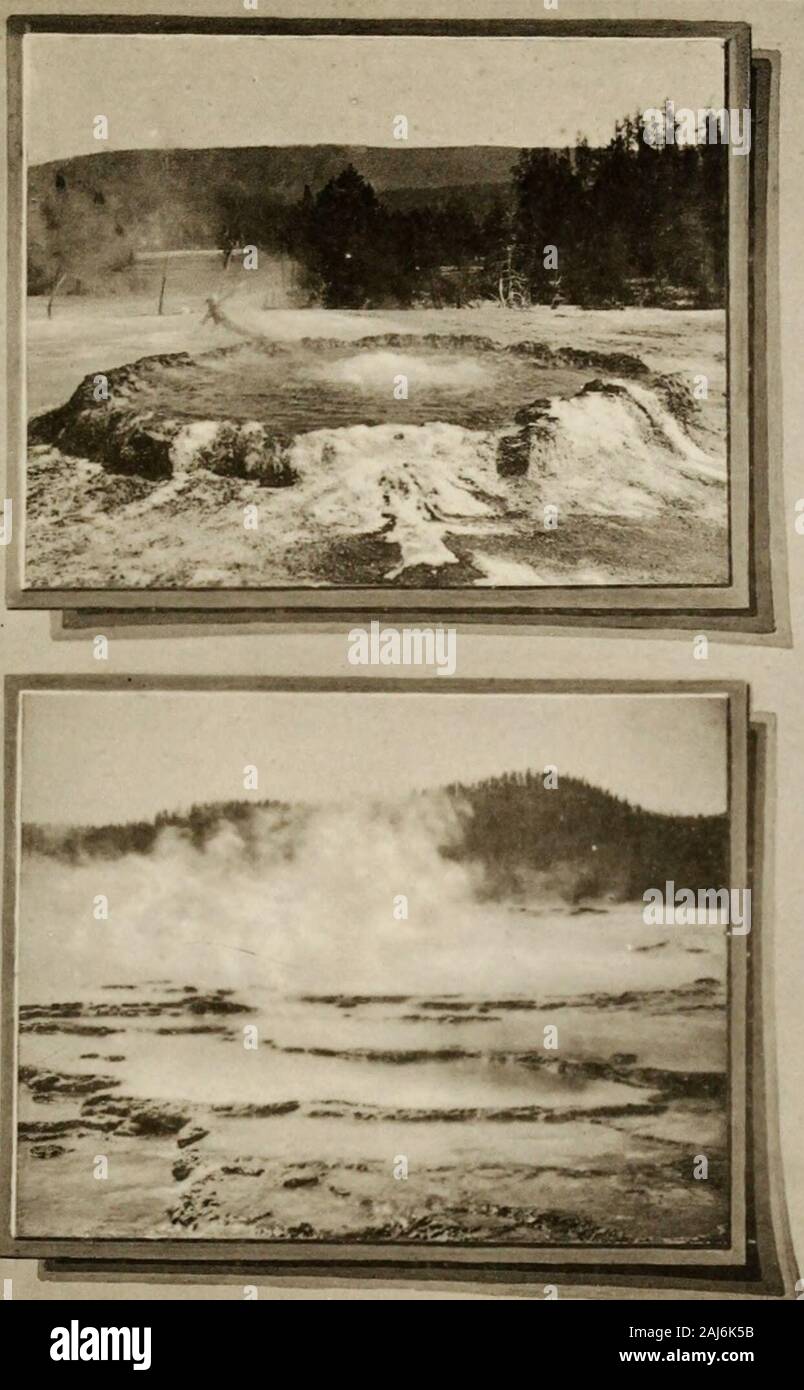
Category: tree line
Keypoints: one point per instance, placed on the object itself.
(582, 841)
(630, 223)
(598, 227)
(573, 838)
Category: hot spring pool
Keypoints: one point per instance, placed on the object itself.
(391, 459)
(298, 389)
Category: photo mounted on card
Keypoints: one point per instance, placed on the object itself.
(310, 320)
(399, 971)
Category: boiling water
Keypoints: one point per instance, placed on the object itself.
(298, 390)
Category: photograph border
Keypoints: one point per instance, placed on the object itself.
(302, 1255)
(770, 1271)
(743, 601)
(764, 623)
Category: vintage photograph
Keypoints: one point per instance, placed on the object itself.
(400, 311)
(376, 967)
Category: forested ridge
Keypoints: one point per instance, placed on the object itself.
(522, 832)
(585, 841)
(631, 223)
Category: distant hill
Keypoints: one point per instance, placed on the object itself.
(371, 227)
(199, 824)
(481, 196)
(582, 840)
(576, 840)
(172, 199)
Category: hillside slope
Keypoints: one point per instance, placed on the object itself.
(575, 839)
(173, 199)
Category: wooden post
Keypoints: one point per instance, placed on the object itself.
(162, 288)
(53, 291)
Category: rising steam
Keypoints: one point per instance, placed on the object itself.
(291, 900)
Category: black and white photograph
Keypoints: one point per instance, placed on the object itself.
(407, 313)
(382, 968)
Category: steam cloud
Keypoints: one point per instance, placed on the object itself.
(293, 900)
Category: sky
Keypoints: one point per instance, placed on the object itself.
(97, 758)
(200, 91)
